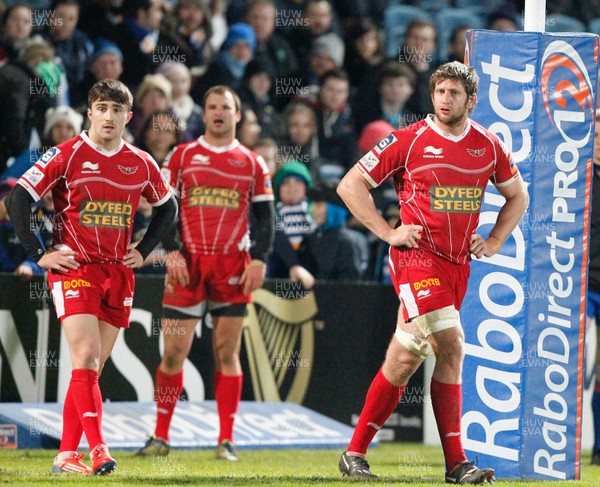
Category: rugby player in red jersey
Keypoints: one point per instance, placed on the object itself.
(440, 167)
(216, 269)
(96, 180)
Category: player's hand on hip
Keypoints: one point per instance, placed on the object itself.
(177, 269)
(253, 276)
(59, 260)
(133, 259)
(481, 247)
(404, 236)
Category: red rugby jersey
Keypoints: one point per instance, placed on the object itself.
(96, 193)
(216, 186)
(440, 179)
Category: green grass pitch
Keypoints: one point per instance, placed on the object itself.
(395, 464)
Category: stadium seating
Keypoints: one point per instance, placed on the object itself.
(395, 21)
(594, 26)
(563, 23)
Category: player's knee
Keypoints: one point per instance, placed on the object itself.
(225, 354)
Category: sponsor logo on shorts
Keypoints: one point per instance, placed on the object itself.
(456, 199)
(385, 143)
(76, 283)
(105, 214)
(71, 294)
(425, 283)
(423, 293)
(128, 301)
(234, 281)
(211, 196)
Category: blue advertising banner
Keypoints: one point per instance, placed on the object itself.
(524, 313)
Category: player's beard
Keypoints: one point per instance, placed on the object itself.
(453, 119)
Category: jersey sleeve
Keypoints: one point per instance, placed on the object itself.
(383, 160)
(171, 167)
(157, 190)
(44, 174)
(263, 189)
(506, 170)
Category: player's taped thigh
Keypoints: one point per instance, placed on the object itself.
(432, 322)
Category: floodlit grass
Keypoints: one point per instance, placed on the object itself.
(412, 464)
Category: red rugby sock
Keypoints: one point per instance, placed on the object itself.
(228, 392)
(88, 402)
(382, 398)
(72, 429)
(167, 390)
(446, 400)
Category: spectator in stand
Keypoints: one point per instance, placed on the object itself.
(193, 23)
(294, 223)
(335, 122)
(457, 44)
(106, 62)
(502, 21)
(395, 85)
(144, 43)
(62, 123)
(256, 92)
(364, 53)
(188, 112)
(272, 49)
(27, 90)
(16, 29)
(327, 54)
(159, 134)
(248, 129)
(332, 252)
(319, 17)
(418, 53)
(300, 140)
(230, 63)
(71, 45)
(267, 149)
(13, 256)
(98, 18)
(154, 94)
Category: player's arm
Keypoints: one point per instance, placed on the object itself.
(355, 190)
(18, 205)
(509, 216)
(254, 275)
(162, 220)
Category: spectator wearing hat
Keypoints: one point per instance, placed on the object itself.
(13, 257)
(326, 54)
(230, 63)
(272, 49)
(187, 111)
(62, 123)
(145, 44)
(106, 62)
(153, 94)
(333, 252)
(318, 19)
(294, 223)
(257, 92)
(71, 45)
(29, 85)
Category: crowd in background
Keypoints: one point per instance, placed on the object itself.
(318, 82)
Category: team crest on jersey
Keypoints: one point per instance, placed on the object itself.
(129, 170)
(385, 143)
(236, 163)
(476, 152)
(369, 161)
(48, 156)
(34, 175)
